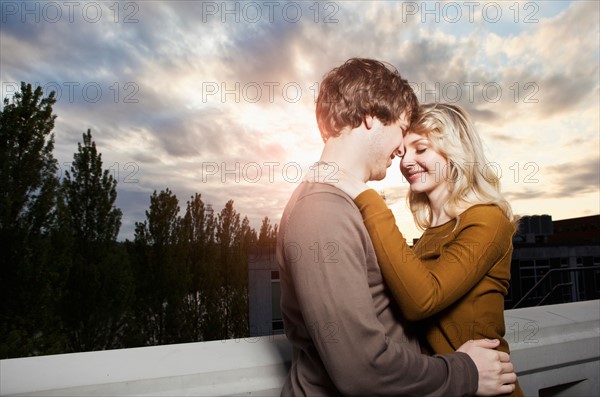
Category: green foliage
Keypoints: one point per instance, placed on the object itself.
(91, 193)
(100, 285)
(28, 168)
(268, 233)
(192, 271)
(162, 275)
(198, 229)
(32, 265)
(67, 285)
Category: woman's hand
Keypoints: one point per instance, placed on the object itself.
(330, 174)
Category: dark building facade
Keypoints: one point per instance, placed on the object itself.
(555, 261)
(264, 316)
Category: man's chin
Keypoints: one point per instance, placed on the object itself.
(378, 177)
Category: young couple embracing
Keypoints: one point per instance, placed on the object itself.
(368, 314)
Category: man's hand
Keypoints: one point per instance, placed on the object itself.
(496, 372)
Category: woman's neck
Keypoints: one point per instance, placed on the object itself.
(437, 201)
(439, 216)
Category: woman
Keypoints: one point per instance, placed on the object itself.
(453, 281)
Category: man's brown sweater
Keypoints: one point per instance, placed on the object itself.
(347, 333)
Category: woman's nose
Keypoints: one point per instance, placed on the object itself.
(407, 158)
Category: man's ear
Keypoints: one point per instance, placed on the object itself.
(368, 122)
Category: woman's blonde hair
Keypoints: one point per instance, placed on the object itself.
(471, 178)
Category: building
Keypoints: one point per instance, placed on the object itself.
(555, 261)
(264, 317)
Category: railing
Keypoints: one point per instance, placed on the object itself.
(555, 350)
(556, 286)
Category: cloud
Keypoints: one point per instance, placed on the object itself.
(525, 195)
(566, 180)
(576, 178)
(156, 111)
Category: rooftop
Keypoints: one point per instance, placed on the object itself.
(555, 350)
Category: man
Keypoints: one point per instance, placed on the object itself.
(347, 333)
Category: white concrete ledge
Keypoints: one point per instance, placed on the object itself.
(554, 347)
(191, 369)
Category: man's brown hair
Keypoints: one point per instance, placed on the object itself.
(359, 88)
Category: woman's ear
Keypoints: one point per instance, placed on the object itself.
(368, 120)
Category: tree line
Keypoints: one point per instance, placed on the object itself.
(68, 285)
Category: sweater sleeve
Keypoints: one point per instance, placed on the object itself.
(328, 248)
(481, 240)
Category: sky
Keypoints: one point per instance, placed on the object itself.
(217, 98)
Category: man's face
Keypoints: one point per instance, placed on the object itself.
(386, 143)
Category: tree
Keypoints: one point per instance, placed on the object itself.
(32, 268)
(162, 275)
(234, 239)
(199, 234)
(268, 233)
(91, 193)
(244, 241)
(191, 272)
(100, 285)
(211, 286)
(228, 225)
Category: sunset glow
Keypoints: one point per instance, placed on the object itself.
(218, 97)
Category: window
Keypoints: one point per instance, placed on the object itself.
(277, 325)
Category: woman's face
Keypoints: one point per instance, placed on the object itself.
(424, 168)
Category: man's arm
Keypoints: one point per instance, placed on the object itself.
(328, 242)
